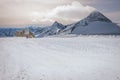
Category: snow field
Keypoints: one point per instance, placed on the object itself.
(56, 58)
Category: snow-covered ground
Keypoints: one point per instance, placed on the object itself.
(55, 58)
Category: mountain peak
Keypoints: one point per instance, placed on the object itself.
(58, 25)
(97, 16)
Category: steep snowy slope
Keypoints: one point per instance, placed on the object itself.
(57, 25)
(95, 23)
(77, 58)
(97, 27)
(54, 29)
(96, 16)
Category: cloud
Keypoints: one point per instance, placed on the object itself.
(66, 13)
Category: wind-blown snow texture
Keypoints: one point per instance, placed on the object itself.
(76, 58)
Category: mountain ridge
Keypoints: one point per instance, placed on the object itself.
(94, 24)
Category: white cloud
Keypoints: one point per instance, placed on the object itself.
(66, 13)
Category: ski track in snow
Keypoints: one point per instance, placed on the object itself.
(55, 58)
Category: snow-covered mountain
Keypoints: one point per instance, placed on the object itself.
(54, 29)
(8, 32)
(95, 24)
(97, 16)
(58, 26)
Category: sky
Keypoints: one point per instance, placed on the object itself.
(45, 12)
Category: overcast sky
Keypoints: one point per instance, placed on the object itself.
(20, 12)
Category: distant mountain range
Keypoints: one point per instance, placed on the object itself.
(95, 24)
